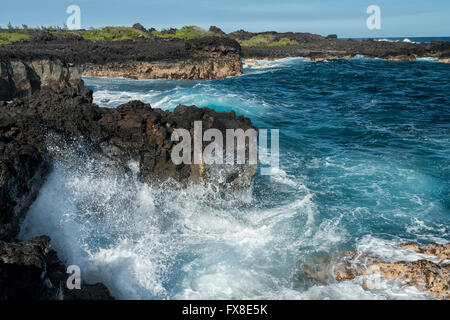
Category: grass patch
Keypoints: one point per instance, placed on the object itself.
(267, 40)
(187, 33)
(66, 34)
(284, 42)
(114, 34)
(10, 37)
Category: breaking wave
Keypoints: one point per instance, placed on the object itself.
(364, 165)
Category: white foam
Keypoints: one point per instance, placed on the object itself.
(271, 64)
(384, 40)
(428, 59)
(148, 242)
(388, 250)
(170, 95)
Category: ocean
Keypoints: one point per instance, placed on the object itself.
(409, 39)
(364, 165)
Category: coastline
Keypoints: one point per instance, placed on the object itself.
(254, 60)
(49, 96)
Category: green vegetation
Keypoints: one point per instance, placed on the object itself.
(187, 32)
(267, 40)
(66, 34)
(114, 34)
(285, 42)
(15, 33)
(10, 37)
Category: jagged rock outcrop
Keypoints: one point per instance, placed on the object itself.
(143, 58)
(430, 273)
(444, 57)
(133, 131)
(425, 274)
(139, 27)
(20, 79)
(31, 270)
(210, 58)
(192, 69)
(216, 30)
(441, 252)
(23, 169)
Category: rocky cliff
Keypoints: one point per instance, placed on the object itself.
(205, 58)
(208, 58)
(22, 78)
(131, 132)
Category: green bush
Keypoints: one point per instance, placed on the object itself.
(9, 37)
(259, 40)
(160, 35)
(284, 42)
(266, 40)
(191, 32)
(114, 34)
(65, 34)
(186, 32)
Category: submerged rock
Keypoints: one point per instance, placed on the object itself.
(440, 251)
(430, 273)
(426, 275)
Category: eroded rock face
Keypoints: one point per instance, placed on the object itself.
(207, 58)
(23, 170)
(440, 251)
(191, 69)
(131, 132)
(31, 270)
(20, 79)
(432, 277)
(216, 30)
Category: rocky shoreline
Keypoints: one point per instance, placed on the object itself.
(431, 273)
(329, 49)
(50, 106)
(428, 271)
(318, 47)
(23, 63)
(58, 57)
(61, 119)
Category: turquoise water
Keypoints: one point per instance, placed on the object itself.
(364, 165)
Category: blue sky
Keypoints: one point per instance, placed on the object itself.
(347, 18)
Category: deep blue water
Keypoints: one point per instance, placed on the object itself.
(364, 165)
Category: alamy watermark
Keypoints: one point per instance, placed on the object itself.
(74, 280)
(74, 20)
(239, 147)
(374, 20)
